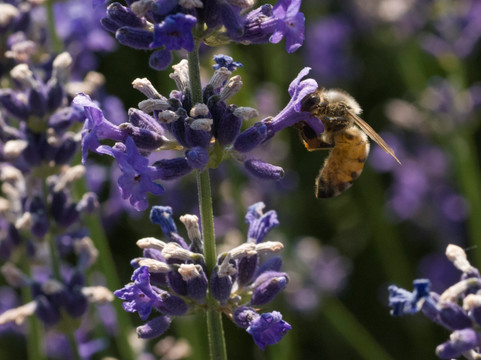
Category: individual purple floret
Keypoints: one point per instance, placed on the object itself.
(171, 278)
(457, 309)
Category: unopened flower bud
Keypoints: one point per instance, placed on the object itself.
(145, 87)
(153, 328)
(264, 170)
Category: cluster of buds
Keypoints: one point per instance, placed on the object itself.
(458, 308)
(164, 26)
(207, 132)
(172, 279)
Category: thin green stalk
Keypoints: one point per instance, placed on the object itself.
(353, 332)
(56, 42)
(73, 344)
(215, 328)
(105, 263)
(214, 318)
(35, 328)
(467, 170)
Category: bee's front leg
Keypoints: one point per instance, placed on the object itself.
(335, 123)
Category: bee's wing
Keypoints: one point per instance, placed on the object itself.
(373, 135)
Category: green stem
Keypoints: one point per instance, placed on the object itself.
(35, 328)
(214, 318)
(468, 173)
(56, 42)
(353, 332)
(106, 264)
(73, 344)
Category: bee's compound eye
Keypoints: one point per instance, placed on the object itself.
(310, 102)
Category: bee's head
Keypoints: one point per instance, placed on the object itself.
(310, 102)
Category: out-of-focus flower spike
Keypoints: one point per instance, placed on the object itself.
(15, 104)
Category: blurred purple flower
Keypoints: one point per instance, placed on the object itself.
(290, 24)
(328, 50)
(456, 29)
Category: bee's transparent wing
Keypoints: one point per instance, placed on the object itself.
(369, 131)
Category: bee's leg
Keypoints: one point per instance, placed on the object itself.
(310, 139)
(335, 123)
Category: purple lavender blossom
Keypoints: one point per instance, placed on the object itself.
(328, 49)
(455, 31)
(268, 329)
(137, 176)
(174, 33)
(226, 62)
(79, 28)
(292, 114)
(170, 277)
(168, 25)
(207, 132)
(290, 24)
(456, 309)
(96, 127)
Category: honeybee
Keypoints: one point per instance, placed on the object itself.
(349, 144)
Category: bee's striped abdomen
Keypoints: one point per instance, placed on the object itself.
(344, 163)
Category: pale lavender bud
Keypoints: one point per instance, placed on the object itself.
(251, 137)
(263, 170)
(135, 38)
(459, 342)
(267, 286)
(154, 328)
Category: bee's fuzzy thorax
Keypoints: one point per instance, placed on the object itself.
(336, 95)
